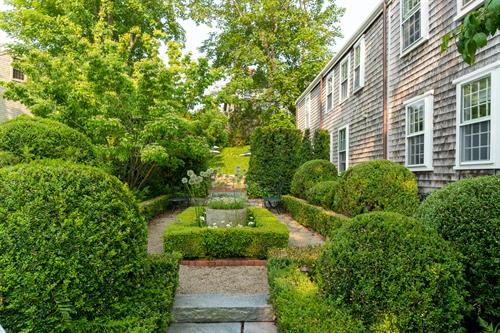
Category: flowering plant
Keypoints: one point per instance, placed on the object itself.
(193, 183)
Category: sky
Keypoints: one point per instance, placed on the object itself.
(356, 12)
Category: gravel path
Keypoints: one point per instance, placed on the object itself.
(300, 236)
(223, 280)
(155, 231)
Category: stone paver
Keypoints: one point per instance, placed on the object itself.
(260, 327)
(155, 231)
(300, 236)
(205, 328)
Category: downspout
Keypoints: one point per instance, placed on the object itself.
(385, 135)
(321, 83)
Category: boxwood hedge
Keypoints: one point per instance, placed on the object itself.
(467, 213)
(36, 138)
(310, 174)
(377, 186)
(323, 194)
(73, 246)
(154, 207)
(185, 236)
(394, 273)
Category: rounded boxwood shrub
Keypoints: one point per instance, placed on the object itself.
(73, 240)
(322, 194)
(37, 138)
(467, 213)
(377, 185)
(394, 272)
(311, 173)
(7, 158)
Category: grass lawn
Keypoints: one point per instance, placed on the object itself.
(227, 161)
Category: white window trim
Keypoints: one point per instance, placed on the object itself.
(346, 127)
(332, 133)
(308, 105)
(348, 60)
(424, 27)
(362, 56)
(428, 99)
(332, 93)
(494, 163)
(462, 12)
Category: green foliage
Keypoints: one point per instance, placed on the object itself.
(72, 238)
(282, 118)
(227, 203)
(310, 174)
(323, 194)
(296, 299)
(473, 33)
(377, 185)
(211, 124)
(314, 217)
(230, 158)
(7, 158)
(306, 148)
(273, 161)
(393, 272)
(31, 138)
(185, 235)
(154, 207)
(321, 145)
(467, 213)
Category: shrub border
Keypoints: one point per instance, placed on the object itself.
(154, 207)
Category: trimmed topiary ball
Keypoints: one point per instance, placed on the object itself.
(323, 194)
(73, 243)
(395, 274)
(310, 174)
(37, 138)
(377, 185)
(467, 213)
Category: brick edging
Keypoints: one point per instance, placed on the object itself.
(223, 262)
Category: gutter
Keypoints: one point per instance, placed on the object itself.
(350, 43)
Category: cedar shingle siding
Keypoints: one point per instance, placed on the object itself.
(422, 70)
(9, 109)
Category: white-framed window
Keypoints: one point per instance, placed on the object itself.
(466, 6)
(343, 149)
(332, 140)
(308, 111)
(414, 24)
(344, 79)
(419, 133)
(478, 119)
(359, 64)
(329, 92)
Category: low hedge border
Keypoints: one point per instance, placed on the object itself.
(314, 217)
(185, 236)
(154, 207)
(296, 299)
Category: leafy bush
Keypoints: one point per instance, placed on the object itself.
(377, 185)
(321, 145)
(296, 299)
(311, 173)
(306, 148)
(34, 138)
(154, 207)
(185, 235)
(393, 272)
(314, 217)
(226, 203)
(8, 158)
(73, 243)
(273, 161)
(323, 194)
(467, 213)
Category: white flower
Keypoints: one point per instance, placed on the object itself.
(240, 226)
(202, 218)
(210, 171)
(251, 223)
(228, 225)
(190, 173)
(192, 181)
(184, 180)
(203, 174)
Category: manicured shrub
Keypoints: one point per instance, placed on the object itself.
(377, 185)
(73, 243)
(321, 145)
(467, 213)
(296, 299)
(154, 207)
(314, 217)
(395, 274)
(8, 158)
(306, 152)
(36, 138)
(273, 161)
(310, 174)
(187, 237)
(323, 194)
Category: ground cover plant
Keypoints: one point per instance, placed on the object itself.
(395, 274)
(73, 250)
(186, 236)
(467, 213)
(310, 174)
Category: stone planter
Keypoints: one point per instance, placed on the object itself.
(222, 217)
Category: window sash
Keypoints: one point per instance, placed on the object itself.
(412, 29)
(329, 92)
(416, 150)
(407, 13)
(475, 145)
(17, 74)
(344, 79)
(476, 100)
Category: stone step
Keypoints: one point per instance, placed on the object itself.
(222, 308)
(247, 327)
